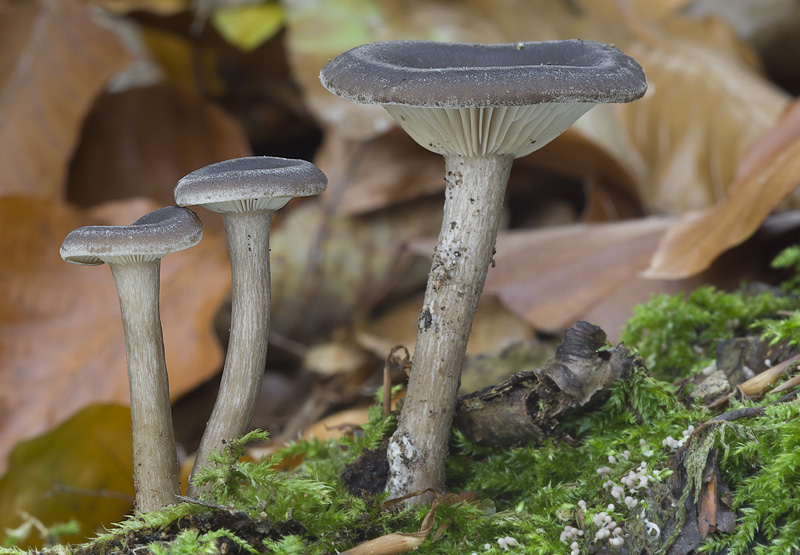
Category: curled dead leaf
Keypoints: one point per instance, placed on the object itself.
(402, 542)
(769, 176)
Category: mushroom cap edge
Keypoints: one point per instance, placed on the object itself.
(470, 75)
(249, 178)
(151, 237)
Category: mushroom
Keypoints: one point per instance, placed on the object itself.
(134, 255)
(480, 106)
(246, 192)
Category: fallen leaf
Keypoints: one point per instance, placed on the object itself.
(341, 355)
(183, 60)
(54, 60)
(142, 141)
(611, 186)
(61, 342)
(81, 470)
(338, 424)
(703, 109)
(770, 175)
(554, 277)
(403, 542)
(550, 277)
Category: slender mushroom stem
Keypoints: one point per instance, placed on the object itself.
(155, 472)
(246, 192)
(134, 254)
(473, 205)
(248, 243)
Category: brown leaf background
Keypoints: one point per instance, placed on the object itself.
(54, 61)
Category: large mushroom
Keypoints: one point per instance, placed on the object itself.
(134, 255)
(246, 192)
(480, 106)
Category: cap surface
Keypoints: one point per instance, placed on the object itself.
(251, 183)
(152, 236)
(468, 75)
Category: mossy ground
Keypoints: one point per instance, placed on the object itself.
(535, 493)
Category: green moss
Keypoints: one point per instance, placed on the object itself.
(678, 334)
(761, 464)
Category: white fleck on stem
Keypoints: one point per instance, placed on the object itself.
(155, 462)
(248, 243)
(473, 204)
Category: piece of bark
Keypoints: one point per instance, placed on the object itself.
(530, 405)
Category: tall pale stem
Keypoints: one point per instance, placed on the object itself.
(155, 462)
(248, 243)
(473, 204)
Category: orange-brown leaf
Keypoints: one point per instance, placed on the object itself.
(54, 60)
(553, 277)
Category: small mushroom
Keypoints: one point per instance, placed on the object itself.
(480, 106)
(134, 255)
(246, 192)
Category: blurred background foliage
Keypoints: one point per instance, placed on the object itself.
(105, 104)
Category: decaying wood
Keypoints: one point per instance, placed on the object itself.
(530, 405)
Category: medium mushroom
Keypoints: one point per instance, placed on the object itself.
(134, 255)
(480, 106)
(246, 192)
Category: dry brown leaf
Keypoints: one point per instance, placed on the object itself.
(338, 424)
(592, 272)
(61, 343)
(611, 188)
(403, 542)
(54, 60)
(185, 60)
(768, 177)
(142, 141)
(703, 109)
(552, 277)
(340, 355)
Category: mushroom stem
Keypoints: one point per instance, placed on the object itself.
(245, 361)
(155, 461)
(473, 205)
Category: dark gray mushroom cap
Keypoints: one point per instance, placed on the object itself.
(466, 75)
(152, 236)
(251, 183)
